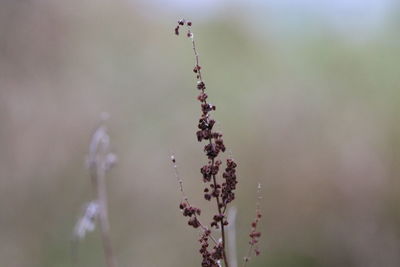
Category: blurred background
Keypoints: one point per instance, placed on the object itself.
(307, 96)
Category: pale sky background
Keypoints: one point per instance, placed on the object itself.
(367, 16)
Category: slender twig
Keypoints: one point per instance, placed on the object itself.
(254, 235)
(185, 198)
(99, 164)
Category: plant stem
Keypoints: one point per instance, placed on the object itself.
(185, 198)
(104, 224)
(200, 78)
(222, 221)
(98, 168)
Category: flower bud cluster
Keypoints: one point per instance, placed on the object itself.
(210, 257)
(191, 212)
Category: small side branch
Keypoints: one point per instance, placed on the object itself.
(254, 233)
(185, 201)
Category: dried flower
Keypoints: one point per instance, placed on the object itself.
(222, 193)
(220, 188)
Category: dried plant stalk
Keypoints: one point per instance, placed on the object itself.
(218, 188)
(221, 190)
(100, 160)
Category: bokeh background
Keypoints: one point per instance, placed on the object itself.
(307, 96)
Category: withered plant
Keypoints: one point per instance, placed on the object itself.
(219, 185)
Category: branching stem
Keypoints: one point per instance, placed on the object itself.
(200, 79)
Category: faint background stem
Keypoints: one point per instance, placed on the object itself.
(99, 161)
(231, 236)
